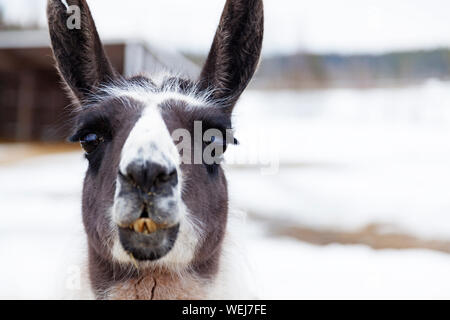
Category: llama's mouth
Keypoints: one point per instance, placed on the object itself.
(146, 240)
(146, 226)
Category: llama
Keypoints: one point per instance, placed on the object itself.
(155, 224)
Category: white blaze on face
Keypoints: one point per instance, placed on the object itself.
(150, 140)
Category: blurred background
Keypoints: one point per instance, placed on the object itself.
(352, 112)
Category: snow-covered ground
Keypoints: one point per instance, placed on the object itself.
(292, 270)
(347, 159)
(41, 224)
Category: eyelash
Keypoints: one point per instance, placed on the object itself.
(80, 134)
(97, 126)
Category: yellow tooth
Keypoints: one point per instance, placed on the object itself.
(151, 226)
(139, 225)
(146, 226)
(146, 231)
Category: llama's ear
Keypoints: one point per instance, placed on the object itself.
(78, 51)
(235, 52)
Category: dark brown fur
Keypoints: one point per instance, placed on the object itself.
(235, 51)
(79, 54)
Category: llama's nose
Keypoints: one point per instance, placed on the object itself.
(151, 177)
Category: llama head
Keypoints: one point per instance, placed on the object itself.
(145, 199)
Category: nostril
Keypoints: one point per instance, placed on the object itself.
(134, 174)
(126, 177)
(174, 177)
(147, 175)
(130, 178)
(165, 178)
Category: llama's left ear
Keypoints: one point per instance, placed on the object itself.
(235, 52)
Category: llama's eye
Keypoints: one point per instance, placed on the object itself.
(90, 142)
(217, 140)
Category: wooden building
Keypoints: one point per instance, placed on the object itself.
(33, 105)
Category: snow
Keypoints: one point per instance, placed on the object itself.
(347, 159)
(293, 270)
(40, 228)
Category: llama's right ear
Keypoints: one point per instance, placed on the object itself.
(78, 51)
